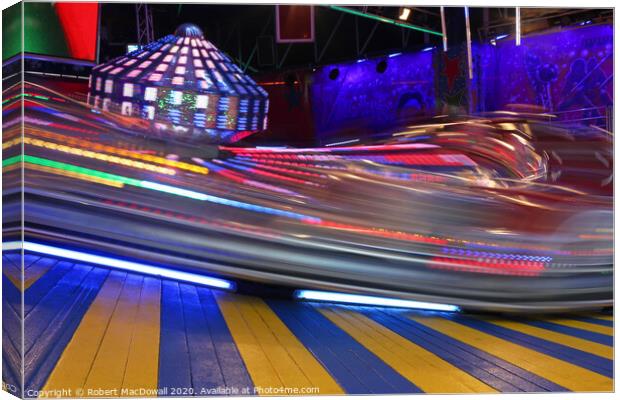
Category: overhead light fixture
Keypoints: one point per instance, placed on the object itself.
(116, 263)
(349, 298)
(404, 13)
(428, 48)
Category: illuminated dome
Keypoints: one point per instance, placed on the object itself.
(186, 88)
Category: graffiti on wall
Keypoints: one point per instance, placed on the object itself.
(373, 94)
(569, 73)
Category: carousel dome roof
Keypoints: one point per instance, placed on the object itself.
(182, 72)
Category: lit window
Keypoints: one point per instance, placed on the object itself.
(98, 84)
(224, 67)
(180, 41)
(144, 64)
(106, 104)
(200, 73)
(134, 73)
(129, 62)
(155, 55)
(128, 90)
(193, 42)
(198, 63)
(106, 68)
(176, 97)
(210, 64)
(155, 77)
(186, 40)
(143, 54)
(184, 50)
(179, 70)
(178, 80)
(195, 53)
(150, 112)
(116, 71)
(165, 47)
(168, 58)
(108, 86)
(161, 67)
(183, 60)
(174, 49)
(202, 101)
(126, 108)
(97, 100)
(150, 94)
(207, 44)
(204, 53)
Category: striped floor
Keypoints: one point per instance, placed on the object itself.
(100, 332)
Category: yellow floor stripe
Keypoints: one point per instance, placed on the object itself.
(604, 317)
(74, 364)
(560, 338)
(560, 372)
(142, 369)
(427, 371)
(31, 275)
(34, 272)
(605, 330)
(271, 352)
(109, 366)
(14, 274)
(116, 346)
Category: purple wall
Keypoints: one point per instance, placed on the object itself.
(567, 70)
(362, 98)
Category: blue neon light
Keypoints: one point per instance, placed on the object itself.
(349, 298)
(120, 264)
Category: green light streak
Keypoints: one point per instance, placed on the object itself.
(154, 186)
(36, 96)
(71, 168)
(385, 20)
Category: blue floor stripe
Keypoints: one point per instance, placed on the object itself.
(602, 322)
(205, 368)
(334, 348)
(43, 285)
(174, 362)
(309, 334)
(589, 361)
(580, 333)
(51, 324)
(196, 348)
(500, 374)
(231, 364)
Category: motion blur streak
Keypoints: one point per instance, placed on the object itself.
(502, 211)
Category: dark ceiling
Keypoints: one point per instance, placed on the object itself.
(246, 32)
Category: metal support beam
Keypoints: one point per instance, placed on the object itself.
(385, 20)
(255, 48)
(144, 24)
(331, 36)
(372, 33)
(281, 62)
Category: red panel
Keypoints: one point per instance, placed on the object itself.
(79, 22)
(294, 24)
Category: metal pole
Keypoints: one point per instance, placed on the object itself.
(518, 26)
(443, 30)
(468, 33)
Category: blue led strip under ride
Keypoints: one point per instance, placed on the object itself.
(120, 264)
